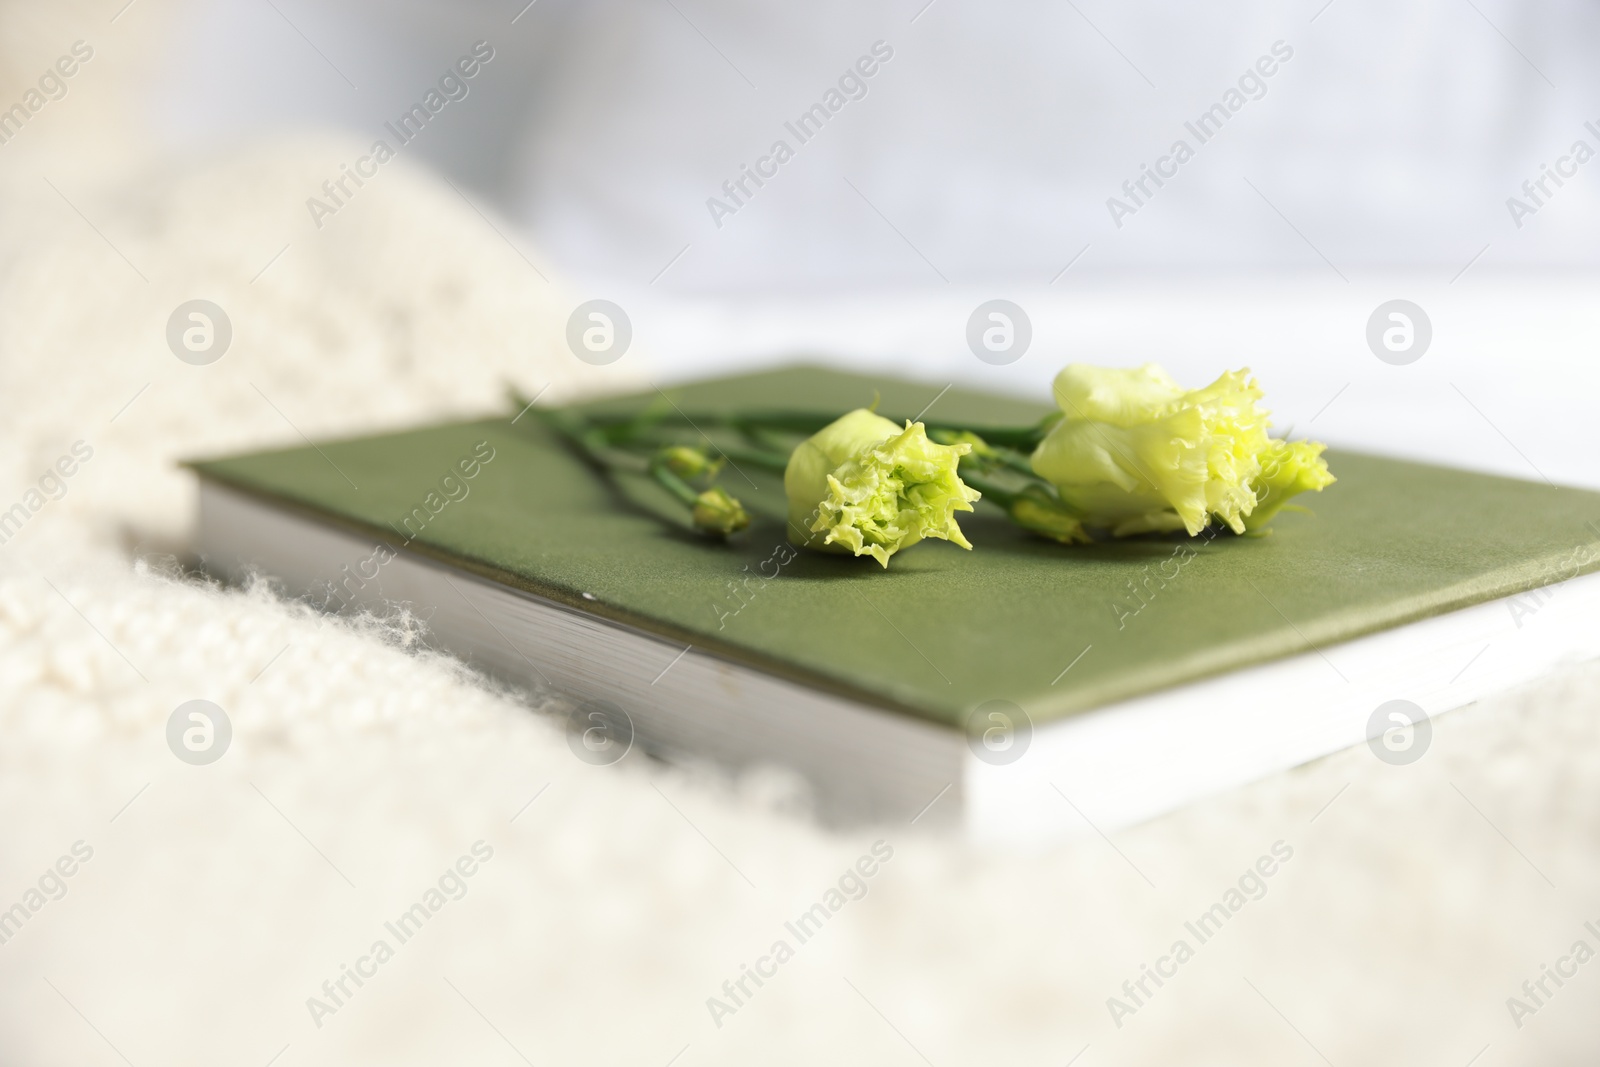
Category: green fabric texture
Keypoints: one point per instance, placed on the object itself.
(942, 630)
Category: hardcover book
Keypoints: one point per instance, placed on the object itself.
(1023, 689)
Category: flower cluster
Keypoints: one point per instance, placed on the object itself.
(1130, 452)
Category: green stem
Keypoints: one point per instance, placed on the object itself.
(1003, 496)
(1016, 461)
(760, 457)
(1023, 438)
(591, 441)
(673, 484)
(771, 440)
(712, 511)
(612, 439)
(992, 491)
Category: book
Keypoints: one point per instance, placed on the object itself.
(1025, 689)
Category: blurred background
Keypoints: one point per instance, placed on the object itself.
(1374, 162)
(991, 140)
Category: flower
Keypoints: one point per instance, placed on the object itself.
(1287, 468)
(688, 462)
(866, 486)
(716, 512)
(1134, 452)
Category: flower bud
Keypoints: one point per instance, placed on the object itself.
(687, 462)
(717, 512)
(1039, 510)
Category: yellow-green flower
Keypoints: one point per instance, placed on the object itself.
(866, 486)
(716, 512)
(687, 461)
(1134, 452)
(1288, 468)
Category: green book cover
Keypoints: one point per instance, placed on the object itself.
(942, 630)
